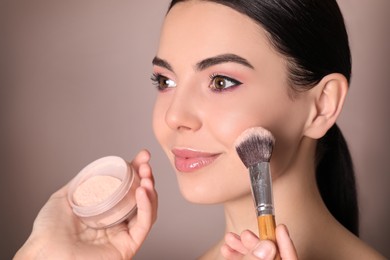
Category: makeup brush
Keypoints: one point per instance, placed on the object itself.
(254, 147)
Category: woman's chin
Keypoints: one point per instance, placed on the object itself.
(208, 195)
(199, 196)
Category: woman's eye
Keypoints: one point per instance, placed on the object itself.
(162, 82)
(220, 83)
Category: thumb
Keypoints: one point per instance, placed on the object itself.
(265, 250)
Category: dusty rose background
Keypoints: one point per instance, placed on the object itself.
(75, 86)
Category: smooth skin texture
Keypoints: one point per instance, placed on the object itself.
(59, 234)
(217, 75)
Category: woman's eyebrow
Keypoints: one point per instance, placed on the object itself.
(206, 63)
(223, 58)
(162, 63)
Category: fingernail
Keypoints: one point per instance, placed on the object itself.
(263, 250)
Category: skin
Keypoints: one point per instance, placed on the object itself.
(192, 119)
(195, 117)
(190, 115)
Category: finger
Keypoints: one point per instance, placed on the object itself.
(144, 218)
(230, 254)
(265, 250)
(234, 242)
(142, 157)
(145, 171)
(149, 203)
(249, 239)
(285, 244)
(261, 249)
(151, 193)
(147, 181)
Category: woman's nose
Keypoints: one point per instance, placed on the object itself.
(184, 111)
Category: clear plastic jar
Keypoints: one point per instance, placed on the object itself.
(113, 208)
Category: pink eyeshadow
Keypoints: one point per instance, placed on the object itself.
(95, 190)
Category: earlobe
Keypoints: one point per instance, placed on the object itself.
(328, 103)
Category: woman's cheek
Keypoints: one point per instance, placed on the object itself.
(160, 108)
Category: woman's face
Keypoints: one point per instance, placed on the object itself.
(218, 75)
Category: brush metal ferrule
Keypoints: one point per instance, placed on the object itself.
(261, 183)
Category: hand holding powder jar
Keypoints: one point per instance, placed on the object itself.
(103, 193)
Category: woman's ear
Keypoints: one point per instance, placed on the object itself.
(329, 94)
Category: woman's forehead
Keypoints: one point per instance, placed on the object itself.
(199, 16)
(205, 29)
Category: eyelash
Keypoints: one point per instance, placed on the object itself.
(213, 77)
(157, 81)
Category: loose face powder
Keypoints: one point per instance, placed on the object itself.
(95, 190)
(103, 193)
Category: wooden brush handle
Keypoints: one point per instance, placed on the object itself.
(267, 226)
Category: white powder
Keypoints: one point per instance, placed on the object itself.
(95, 190)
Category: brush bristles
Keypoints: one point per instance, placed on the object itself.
(255, 145)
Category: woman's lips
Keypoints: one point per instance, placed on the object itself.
(187, 160)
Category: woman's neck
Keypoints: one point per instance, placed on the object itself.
(298, 203)
(240, 215)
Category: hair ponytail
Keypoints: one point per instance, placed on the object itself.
(336, 179)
